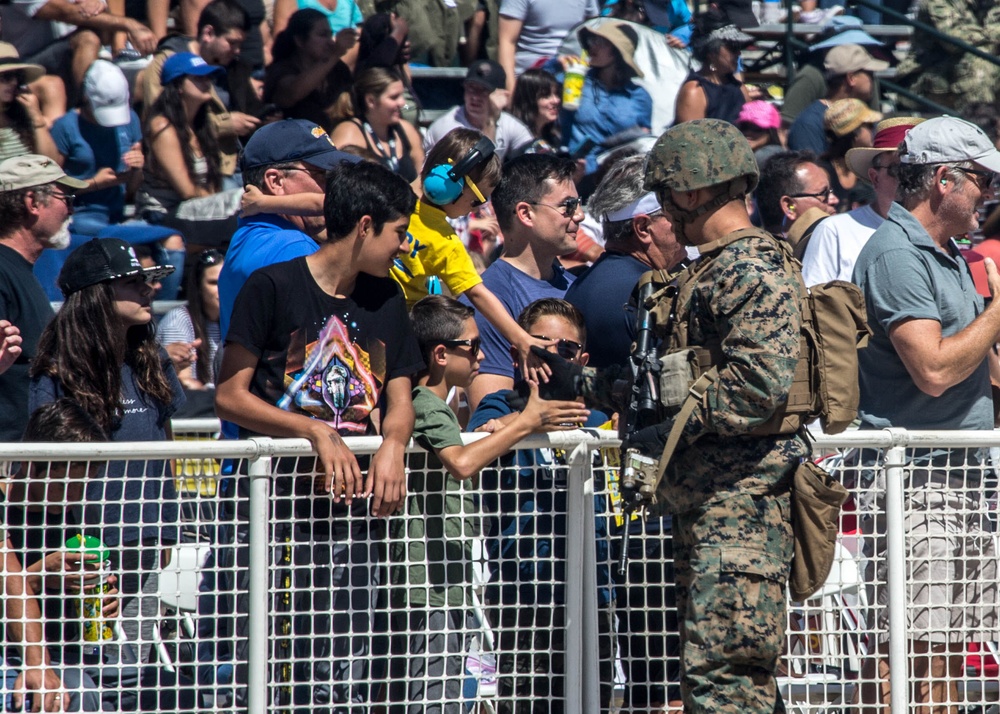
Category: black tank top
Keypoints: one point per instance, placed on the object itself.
(724, 100)
(402, 165)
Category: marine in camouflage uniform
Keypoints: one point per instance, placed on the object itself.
(729, 490)
(944, 73)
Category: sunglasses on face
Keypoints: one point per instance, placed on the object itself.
(983, 179)
(210, 257)
(568, 207)
(480, 198)
(567, 349)
(472, 344)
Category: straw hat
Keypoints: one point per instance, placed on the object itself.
(846, 115)
(10, 62)
(619, 34)
(888, 136)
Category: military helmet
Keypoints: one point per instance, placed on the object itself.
(700, 153)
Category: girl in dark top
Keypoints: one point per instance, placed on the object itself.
(714, 92)
(377, 123)
(306, 75)
(100, 350)
(536, 102)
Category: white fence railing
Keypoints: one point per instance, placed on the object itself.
(503, 593)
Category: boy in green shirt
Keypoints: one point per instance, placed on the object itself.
(431, 548)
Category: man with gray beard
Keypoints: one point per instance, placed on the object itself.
(36, 201)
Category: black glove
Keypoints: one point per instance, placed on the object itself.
(649, 440)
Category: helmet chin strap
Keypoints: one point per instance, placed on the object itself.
(681, 217)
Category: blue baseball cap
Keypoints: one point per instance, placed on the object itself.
(293, 140)
(186, 63)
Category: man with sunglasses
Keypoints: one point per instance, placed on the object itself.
(281, 159)
(794, 192)
(538, 209)
(36, 201)
(831, 251)
(929, 365)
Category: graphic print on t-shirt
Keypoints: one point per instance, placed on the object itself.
(333, 378)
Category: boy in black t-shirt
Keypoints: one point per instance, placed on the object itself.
(314, 346)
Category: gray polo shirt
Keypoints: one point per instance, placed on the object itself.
(904, 275)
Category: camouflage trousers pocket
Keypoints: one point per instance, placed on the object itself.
(735, 612)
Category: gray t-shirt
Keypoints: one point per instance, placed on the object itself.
(511, 133)
(904, 276)
(546, 23)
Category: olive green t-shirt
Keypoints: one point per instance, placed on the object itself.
(430, 551)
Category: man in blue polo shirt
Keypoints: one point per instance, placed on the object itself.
(281, 159)
(928, 365)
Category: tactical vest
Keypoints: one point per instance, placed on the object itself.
(825, 383)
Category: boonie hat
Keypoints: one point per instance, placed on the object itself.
(620, 35)
(760, 114)
(183, 64)
(106, 88)
(844, 59)
(103, 259)
(31, 170)
(889, 133)
(487, 73)
(10, 61)
(943, 140)
(845, 115)
(292, 140)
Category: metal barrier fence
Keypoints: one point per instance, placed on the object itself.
(231, 584)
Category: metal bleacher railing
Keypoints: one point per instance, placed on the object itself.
(243, 618)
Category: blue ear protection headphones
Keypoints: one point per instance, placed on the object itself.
(445, 182)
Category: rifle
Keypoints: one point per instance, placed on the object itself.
(638, 471)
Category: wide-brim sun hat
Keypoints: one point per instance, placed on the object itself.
(10, 61)
(889, 133)
(622, 37)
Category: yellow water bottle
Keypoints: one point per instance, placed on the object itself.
(91, 602)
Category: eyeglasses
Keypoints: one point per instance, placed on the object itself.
(472, 344)
(15, 77)
(210, 257)
(821, 195)
(318, 175)
(480, 198)
(984, 180)
(66, 198)
(568, 207)
(567, 349)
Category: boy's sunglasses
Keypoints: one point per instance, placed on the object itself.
(567, 349)
(473, 344)
(480, 199)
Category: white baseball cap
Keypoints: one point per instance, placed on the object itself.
(106, 89)
(30, 170)
(947, 139)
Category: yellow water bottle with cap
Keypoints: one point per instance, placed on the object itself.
(90, 605)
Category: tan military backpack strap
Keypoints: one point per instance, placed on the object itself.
(694, 400)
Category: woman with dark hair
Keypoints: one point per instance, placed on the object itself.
(23, 129)
(182, 152)
(611, 103)
(194, 328)
(714, 92)
(100, 350)
(377, 123)
(536, 102)
(307, 74)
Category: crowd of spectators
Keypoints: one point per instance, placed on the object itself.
(230, 158)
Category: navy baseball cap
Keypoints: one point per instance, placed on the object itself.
(183, 64)
(293, 140)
